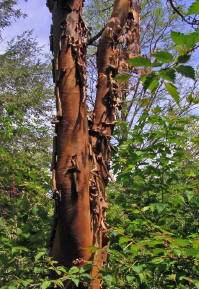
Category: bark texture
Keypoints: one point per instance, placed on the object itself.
(109, 60)
(70, 167)
(81, 146)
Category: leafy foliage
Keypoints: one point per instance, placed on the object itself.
(194, 8)
(140, 61)
(8, 13)
(154, 236)
(25, 216)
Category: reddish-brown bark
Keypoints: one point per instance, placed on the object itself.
(107, 100)
(81, 155)
(70, 168)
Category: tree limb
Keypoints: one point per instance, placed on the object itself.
(194, 22)
(94, 38)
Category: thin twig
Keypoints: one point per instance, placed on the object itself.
(194, 22)
(94, 38)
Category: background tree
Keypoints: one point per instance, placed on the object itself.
(26, 104)
(8, 13)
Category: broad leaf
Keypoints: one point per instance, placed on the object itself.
(189, 195)
(73, 270)
(76, 281)
(151, 81)
(178, 37)
(184, 58)
(172, 90)
(168, 74)
(39, 255)
(188, 40)
(123, 240)
(122, 77)
(163, 56)
(156, 64)
(139, 61)
(157, 261)
(187, 71)
(194, 8)
(45, 284)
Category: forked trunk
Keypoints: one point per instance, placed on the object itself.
(81, 153)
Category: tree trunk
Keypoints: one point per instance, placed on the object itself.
(70, 162)
(81, 153)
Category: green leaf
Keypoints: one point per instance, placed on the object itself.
(163, 56)
(19, 248)
(151, 82)
(26, 282)
(189, 195)
(168, 74)
(130, 278)
(145, 209)
(137, 269)
(134, 248)
(184, 58)
(194, 8)
(178, 37)
(182, 242)
(156, 109)
(160, 207)
(37, 270)
(76, 281)
(142, 277)
(186, 70)
(196, 283)
(122, 77)
(45, 284)
(35, 210)
(157, 261)
(73, 270)
(139, 61)
(194, 253)
(195, 243)
(39, 255)
(10, 109)
(195, 100)
(59, 282)
(156, 64)
(123, 240)
(108, 278)
(172, 90)
(62, 269)
(188, 40)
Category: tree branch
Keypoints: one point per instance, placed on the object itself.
(194, 22)
(94, 38)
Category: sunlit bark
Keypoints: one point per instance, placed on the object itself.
(81, 154)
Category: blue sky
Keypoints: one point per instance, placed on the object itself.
(38, 18)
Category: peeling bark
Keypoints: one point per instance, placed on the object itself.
(107, 100)
(70, 165)
(81, 146)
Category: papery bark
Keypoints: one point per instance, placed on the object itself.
(81, 147)
(110, 61)
(72, 232)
